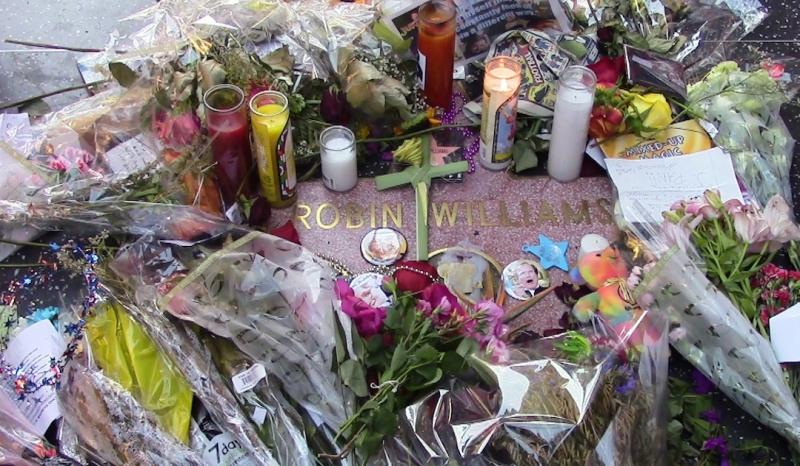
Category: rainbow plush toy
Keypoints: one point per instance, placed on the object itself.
(607, 273)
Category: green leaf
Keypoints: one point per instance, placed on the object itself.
(524, 155)
(394, 318)
(369, 442)
(280, 60)
(339, 340)
(124, 75)
(452, 363)
(399, 358)
(409, 319)
(353, 376)
(384, 419)
(467, 347)
(430, 375)
(36, 107)
(427, 353)
(385, 34)
(674, 427)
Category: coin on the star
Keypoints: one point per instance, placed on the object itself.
(383, 246)
(523, 277)
(369, 288)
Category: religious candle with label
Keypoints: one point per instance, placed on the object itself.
(272, 147)
(226, 117)
(436, 44)
(573, 107)
(499, 112)
(338, 153)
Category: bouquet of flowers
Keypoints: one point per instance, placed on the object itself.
(416, 377)
(711, 281)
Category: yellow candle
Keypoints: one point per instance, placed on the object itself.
(273, 147)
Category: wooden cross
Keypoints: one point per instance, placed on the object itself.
(419, 177)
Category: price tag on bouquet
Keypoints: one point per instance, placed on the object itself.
(248, 378)
(225, 450)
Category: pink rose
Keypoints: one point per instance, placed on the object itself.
(368, 320)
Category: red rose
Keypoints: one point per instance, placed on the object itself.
(409, 278)
(605, 121)
(608, 70)
(288, 232)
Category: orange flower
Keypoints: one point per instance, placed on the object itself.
(605, 121)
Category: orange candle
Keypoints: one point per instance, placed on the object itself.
(437, 43)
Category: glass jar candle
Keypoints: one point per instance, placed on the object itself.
(499, 111)
(272, 147)
(437, 43)
(226, 119)
(573, 108)
(338, 154)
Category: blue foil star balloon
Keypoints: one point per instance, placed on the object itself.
(550, 253)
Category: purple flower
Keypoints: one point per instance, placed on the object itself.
(334, 108)
(628, 386)
(702, 386)
(437, 302)
(712, 415)
(368, 319)
(717, 444)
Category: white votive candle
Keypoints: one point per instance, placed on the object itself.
(499, 111)
(338, 154)
(571, 123)
(592, 243)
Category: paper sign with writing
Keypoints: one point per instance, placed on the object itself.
(649, 187)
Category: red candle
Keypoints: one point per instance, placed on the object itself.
(437, 42)
(226, 117)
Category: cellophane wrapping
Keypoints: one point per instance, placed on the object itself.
(718, 340)
(261, 299)
(112, 425)
(690, 31)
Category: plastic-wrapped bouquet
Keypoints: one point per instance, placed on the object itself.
(710, 280)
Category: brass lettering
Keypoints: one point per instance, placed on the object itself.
(505, 220)
(604, 205)
(581, 216)
(302, 217)
(397, 217)
(353, 213)
(546, 214)
(321, 209)
(482, 215)
(526, 212)
(372, 223)
(445, 209)
(469, 213)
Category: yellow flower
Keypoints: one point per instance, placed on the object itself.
(654, 109)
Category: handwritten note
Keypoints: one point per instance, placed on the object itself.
(649, 187)
(132, 156)
(32, 349)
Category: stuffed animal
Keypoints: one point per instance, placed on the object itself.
(607, 272)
